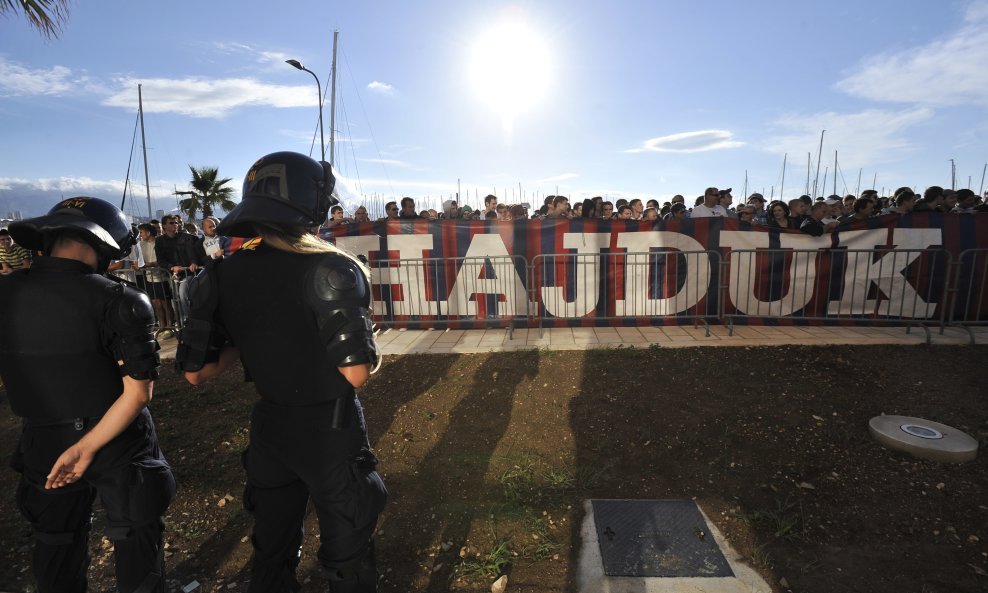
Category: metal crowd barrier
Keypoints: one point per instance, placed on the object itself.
(451, 292)
(969, 291)
(158, 286)
(669, 284)
(841, 286)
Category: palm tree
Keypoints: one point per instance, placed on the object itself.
(207, 193)
(47, 16)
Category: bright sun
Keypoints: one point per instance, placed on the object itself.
(510, 67)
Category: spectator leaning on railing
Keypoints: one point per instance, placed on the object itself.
(180, 254)
(12, 256)
(155, 280)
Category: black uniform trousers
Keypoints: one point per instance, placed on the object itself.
(135, 486)
(295, 454)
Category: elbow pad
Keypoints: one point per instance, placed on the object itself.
(201, 339)
(339, 295)
(130, 320)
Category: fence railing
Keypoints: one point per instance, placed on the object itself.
(474, 291)
(834, 286)
(911, 287)
(969, 291)
(663, 285)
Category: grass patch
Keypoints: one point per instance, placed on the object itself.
(544, 544)
(531, 481)
(784, 521)
(488, 564)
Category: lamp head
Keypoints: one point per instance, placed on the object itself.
(296, 64)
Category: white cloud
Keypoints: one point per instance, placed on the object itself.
(16, 80)
(390, 163)
(425, 186)
(262, 56)
(698, 141)
(200, 97)
(381, 87)
(948, 71)
(274, 57)
(86, 186)
(860, 139)
(562, 177)
(34, 197)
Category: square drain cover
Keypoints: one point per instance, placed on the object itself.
(656, 538)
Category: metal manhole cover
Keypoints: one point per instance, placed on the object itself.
(656, 538)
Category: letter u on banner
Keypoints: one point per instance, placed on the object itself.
(746, 267)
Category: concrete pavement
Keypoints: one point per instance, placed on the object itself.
(464, 341)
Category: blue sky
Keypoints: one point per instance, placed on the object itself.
(623, 99)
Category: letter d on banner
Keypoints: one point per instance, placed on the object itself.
(637, 273)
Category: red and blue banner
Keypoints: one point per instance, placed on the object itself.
(594, 272)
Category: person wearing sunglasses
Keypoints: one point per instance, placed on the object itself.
(181, 255)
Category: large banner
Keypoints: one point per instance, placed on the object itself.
(593, 272)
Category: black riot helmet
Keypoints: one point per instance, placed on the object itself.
(282, 189)
(99, 223)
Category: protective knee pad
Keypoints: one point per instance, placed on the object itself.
(358, 576)
(139, 500)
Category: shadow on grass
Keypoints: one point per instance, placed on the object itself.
(477, 424)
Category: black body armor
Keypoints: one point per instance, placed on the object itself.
(63, 330)
(296, 318)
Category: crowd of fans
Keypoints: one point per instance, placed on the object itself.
(170, 251)
(815, 217)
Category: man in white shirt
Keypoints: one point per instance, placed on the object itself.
(710, 206)
(830, 220)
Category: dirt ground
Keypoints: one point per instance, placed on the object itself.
(488, 458)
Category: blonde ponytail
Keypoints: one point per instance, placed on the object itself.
(304, 244)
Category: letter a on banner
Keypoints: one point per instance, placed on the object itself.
(487, 269)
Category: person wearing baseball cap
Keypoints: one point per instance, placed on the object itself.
(757, 201)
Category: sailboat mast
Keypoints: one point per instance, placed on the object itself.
(857, 190)
(332, 104)
(783, 184)
(835, 172)
(808, 164)
(130, 162)
(982, 190)
(144, 149)
(819, 153)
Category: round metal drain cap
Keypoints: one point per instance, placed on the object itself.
(923, 432)
(923, 438)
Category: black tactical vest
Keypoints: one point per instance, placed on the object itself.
(55, 356)
(265, 308)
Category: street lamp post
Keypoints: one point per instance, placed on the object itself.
(322, 140)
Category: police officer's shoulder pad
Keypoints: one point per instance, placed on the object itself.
(338, 278)
(132, 310)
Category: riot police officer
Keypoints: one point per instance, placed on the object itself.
(298, 310)
(78, 358)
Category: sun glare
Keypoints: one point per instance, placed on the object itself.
(510, 67)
